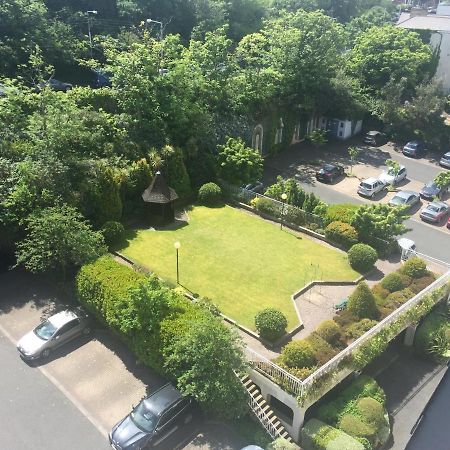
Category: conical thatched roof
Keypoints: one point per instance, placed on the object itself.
(159, 191)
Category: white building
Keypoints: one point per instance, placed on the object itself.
(439, 25)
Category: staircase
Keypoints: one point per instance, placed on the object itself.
(263, 411)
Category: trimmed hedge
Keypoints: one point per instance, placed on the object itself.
(330, 331)
(317, 435)
(397, 299)
(298, 354)
(420, 284)
(341, 233)
(393, 282)
(210, 194)
(414, 268)
(112, 232)
(322, 350)
(362, 257)
(355, 330)
(271, 324)
(342, 212)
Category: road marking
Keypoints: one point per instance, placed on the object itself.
(59, 386)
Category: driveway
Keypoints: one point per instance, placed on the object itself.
(99, 375)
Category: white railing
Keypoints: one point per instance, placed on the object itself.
(263, 418)
(292, 384)
(280, 376)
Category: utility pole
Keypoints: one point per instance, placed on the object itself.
(161, 36)
(89, 14)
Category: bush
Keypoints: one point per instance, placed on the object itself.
(210, 194)
(341, 233)
(397, 299)
(322, 350)
(301, 373)
(356, 330)
(298, 354)
(371, 410)
(112, 232)
(380, 294)
(342, 212)
(281, 444)
(294, 215)
(414, 268)
(420, 284)
(266, 206)
(362, 257)
(271, 324)
(361, 302)
(317, 435)
(393, 282)
(356, 427)
(330, 331)
(344, 318)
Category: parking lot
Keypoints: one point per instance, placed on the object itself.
(97, 373)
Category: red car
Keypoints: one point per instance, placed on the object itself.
(448, 224)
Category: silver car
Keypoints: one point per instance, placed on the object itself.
(52, 333)
(434, 212)
(405, 198)
(390, 177)
(445, 160)
(370, 187)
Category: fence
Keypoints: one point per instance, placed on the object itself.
(300, 387)
(282, 211)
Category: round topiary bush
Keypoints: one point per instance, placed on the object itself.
(330, 331)
(298, 354)
(341, 233)
(271, 324)
(393, 282)
(112, 232)
(361, 302)
(210, 194)
(362, 257)
(415, 268)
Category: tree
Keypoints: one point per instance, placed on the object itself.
(318, 138)
(203, 359)
(353, 152)
(238, 164)
(393, 167)
(362, 303)
(389, 53)
(374, 17)
(379, 223)
(443, 179)
(58, 238)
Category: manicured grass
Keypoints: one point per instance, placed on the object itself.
(239, 261)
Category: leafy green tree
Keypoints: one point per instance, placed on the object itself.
(442, 179)
(384, 53)
(58, 238)
(362, 303)
(393, 167)
(203, 359)
(318, 138)
(374, 17)
(238, 164)
(353, 152)
(296, 196)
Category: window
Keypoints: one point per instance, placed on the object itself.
(341, 124)
(340, 133)
(279, 132)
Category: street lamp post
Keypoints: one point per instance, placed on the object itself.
(177, 246)
(161, 32)
(89, 14)
(284, 198)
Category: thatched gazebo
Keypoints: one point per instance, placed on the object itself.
(161, 198)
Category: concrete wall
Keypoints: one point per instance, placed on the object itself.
(442, 40)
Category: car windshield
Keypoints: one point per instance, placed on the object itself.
(366, 185)
(431, 186)
(446, 157)
(45, 330)
(143, 418)
(412, 145)
(433, 208)
(399, 200)
(328, 168)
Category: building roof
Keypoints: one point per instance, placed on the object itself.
(431, 22)
(159, 191)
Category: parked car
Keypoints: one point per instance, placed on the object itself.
(432, 190)
(101, 79)
(375, 138)
(390, 177)
(445, 160)
(434, 212)
(55, 85)
(255, 187)
(405, 198)
(448, 224)
(414, 149)
(54, 332)
(329, 172)
(370, 187)
(252, 447)
(152, 420)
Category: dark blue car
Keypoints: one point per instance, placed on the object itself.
(414, 149)
(153, 420)
(102, 79)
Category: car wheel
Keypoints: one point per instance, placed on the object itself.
(45, 353)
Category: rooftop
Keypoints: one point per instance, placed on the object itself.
(431, 22)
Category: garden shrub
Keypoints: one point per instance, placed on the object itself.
(344, 318)
(112, 232)
(271, 324)
(397, 299)
(341, 233)
(356, 427)
(356, 330)
(317, 435)
(342, 212)
(415, 268)
(210, 194)
(302, 373)
(295, 216)
(266, 206)
(281, 444)
(371, 410)
(207, 303)
(322, 350)
(420, 284)
(362, 257)
(330, 331)
(361, 302)
(380, 294)
(298, 354)
(393, 282)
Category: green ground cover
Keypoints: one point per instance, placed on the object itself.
(241, 262)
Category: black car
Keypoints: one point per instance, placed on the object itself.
(101, 79)
(375, 138)
(154, 419)
(329, 172)
(414, 149)
(55, 85)
(431, 190)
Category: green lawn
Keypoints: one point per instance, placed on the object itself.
(241, 262)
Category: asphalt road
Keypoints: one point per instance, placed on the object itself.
(35, 415)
